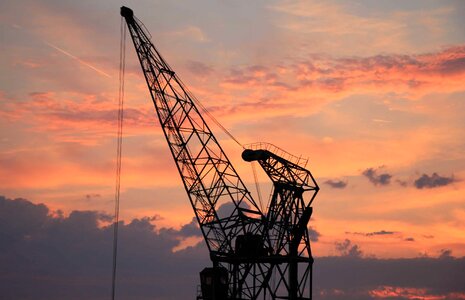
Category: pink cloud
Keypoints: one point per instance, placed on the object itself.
(303, 88)
(68, 114)
(412, 294)
(333, 75)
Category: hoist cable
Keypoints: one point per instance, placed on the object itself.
(257, 186)
(205, 110)
(119, 142)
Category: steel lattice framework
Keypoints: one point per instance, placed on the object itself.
(286, 222)
(261, 252)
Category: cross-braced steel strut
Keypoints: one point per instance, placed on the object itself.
(255, 254)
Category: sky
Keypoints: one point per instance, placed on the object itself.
(372, 92)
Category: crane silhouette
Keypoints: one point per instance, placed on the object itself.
(255, 254)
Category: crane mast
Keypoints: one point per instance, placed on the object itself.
(255, 255)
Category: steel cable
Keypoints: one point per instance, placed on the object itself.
(119, 146)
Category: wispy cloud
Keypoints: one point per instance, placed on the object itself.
(303, 87)
(381, 121)
(193, 32)
(199, 69)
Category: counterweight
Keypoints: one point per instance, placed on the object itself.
(255, 254)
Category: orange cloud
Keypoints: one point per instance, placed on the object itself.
(305, 87)
(411, 293)
(77, 117)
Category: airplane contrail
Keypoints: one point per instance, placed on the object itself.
(78, 59)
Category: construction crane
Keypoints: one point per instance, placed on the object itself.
(255, 254)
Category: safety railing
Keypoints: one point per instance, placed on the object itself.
(298, 160)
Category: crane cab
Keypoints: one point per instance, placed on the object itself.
(214, 283)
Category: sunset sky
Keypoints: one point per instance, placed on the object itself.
(372, 92)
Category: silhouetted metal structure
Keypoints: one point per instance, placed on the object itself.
(255, 254)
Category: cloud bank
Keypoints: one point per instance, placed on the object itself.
(46, 255)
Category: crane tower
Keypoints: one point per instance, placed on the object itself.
(255, 254)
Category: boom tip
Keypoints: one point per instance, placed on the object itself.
(127, 12)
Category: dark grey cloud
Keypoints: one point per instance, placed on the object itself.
(227, 209)
(55, 257)
(377, 179)
(346, 248)
(355, 278)
(374, 233)
(337, 184)
(451, 66)
(45, 255)
(313, 234)
(409, 239)
(93, 196)
(191, 229)
(445, 253)
(382, 232)
(435, 180)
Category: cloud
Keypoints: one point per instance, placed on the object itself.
(252, 76)
(433, 181)
(93, 196)
(45, 255)
(69, 257)
(192, 32)
(452, 65)
(190, 229)
(374, 233)
(19, 218)
(382, 232)
(346, 248)
(347, 73)
(302, 88)
(334, 25)
(402, 183)
(393, 292)
(199, 68)
(76, 116)
(71, 108)
(445, 253)
(336, 184)
(407, 278)
(375, 178)
(313, 234)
